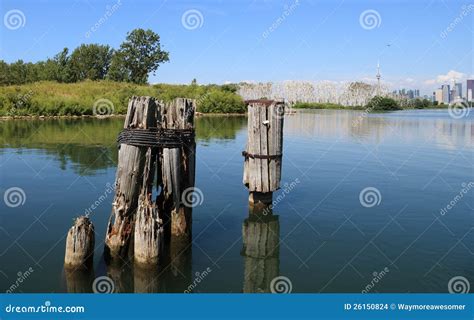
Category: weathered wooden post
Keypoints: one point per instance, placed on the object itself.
(80, 244)
(141, 115)
(263, 154)
(148, 231)
(177, 163)
(261, 249)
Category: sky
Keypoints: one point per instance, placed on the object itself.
(419, 44)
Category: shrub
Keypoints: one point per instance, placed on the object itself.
(379, 103)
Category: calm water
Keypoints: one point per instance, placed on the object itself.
(329, 242)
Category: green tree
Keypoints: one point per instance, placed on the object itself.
(141, 54)
(117, 70)
(89, 61)
(379, 103)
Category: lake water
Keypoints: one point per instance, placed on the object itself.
(332, 238)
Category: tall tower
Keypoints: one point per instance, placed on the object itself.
(378, 76)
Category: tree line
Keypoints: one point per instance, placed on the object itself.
(138, 55)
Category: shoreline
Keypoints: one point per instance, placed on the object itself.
(34, 117)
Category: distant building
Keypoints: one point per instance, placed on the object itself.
(470, 90)
(417, 93)
(458, 88)
(446, 93)
(410, 94)
(438, 95)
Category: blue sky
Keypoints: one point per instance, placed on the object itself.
(234, 40)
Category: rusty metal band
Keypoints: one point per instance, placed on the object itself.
(261, 156)
(154, 137)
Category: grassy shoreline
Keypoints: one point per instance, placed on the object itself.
(48, 99)
(88, 98)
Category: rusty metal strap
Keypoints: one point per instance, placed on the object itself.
(156, 137)
(261, 156)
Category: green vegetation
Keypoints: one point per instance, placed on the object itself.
(379, 103)
(49, 98)
(137, 56)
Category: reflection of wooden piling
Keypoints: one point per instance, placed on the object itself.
(263, 154)
(79, 280)
(141, 114)
(260, 233)
(178, 165)
(146, 280)
(80, 244)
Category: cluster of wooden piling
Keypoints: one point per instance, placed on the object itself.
(141, 225)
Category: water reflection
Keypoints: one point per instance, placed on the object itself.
(89, 144)
(79, 280)
(407, 126)
(261, 250)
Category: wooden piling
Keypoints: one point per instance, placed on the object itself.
(80, 245)
(177, 166)
(261, 251)
(141, 115)
(148, 226)
(263, 154)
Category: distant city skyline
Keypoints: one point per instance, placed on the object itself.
(219, 41)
